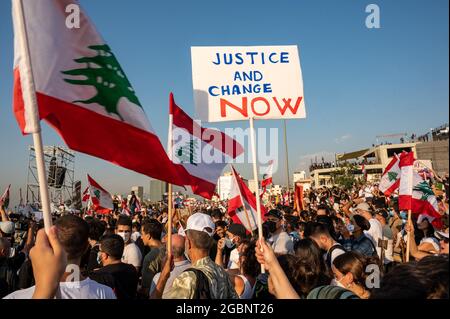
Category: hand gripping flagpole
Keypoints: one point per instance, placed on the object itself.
(255, 177)
(29, 97)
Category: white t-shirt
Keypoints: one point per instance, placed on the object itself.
(336, 252)
(432, 241)
(85, 289)
(282, 243)
(132, 255)
(374, 233)
(135, 235)
(233, 263)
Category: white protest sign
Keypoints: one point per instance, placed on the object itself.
(236, 83)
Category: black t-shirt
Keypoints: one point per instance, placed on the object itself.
(26, 277)
(122, 278)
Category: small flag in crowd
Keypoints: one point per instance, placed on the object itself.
(406, 180)
(190, 140)
(101, 200)
(390, 180)
(5, 197)
(81, 90)
(267, 178)
(242, 204)
(298, 195)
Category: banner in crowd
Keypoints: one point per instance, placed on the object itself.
(82, 91)
(236, 83)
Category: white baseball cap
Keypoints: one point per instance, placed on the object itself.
(422, 217)
(7, 227)
(201, 222)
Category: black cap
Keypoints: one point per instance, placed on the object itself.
(383, 213)
(275, 213)
(237, 230)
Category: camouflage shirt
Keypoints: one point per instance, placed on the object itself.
(219, 282)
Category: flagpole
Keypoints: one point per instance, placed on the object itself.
(255, 177)
(409, 215)
(31, 101)
(287, 161)
(169, 197)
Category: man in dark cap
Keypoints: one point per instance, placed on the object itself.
(233, 238)
(279, 239)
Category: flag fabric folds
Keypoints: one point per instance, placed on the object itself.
(81, 91)
(5, 197)
(101, 200)
(406, 180)
(242, 204)
(191, 143)
(390, 180)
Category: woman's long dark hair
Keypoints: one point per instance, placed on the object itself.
(420, 234)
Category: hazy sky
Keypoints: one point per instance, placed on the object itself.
(358, 83)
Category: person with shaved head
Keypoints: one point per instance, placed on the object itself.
(180, 261)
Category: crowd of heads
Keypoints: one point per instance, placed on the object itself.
(342, 243)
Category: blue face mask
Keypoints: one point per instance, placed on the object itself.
(229, 243)
(391, 213)
(403, 215)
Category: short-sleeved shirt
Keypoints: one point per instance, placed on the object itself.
(282, 243)
(132, 255)
(85, 289)
(219, 282)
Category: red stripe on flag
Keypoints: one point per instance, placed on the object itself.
(406, 159)
(390, 165)
(392, 189)
(184, 121)
(18, 103)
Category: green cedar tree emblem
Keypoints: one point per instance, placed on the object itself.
(103, 72)
(425, 189)
(392, 176)
(97, 193)
(187, 153)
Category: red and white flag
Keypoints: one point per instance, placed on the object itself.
(191, 143)
(424, 201)
(267, 176)
(406, 180)
(5, 197)
(390, 180)
(81, 90)
(86, 195)
(242, 204)
(101, 200)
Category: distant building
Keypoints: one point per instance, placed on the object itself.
(252, 185)
(157, 190)
(224, 185)
(373, 160)
(298, 176)
(138, 191)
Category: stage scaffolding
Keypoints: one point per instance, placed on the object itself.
(58, 160)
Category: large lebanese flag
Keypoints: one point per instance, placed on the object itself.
(390, 180)
(406, 180)
(240, 197)
(101, 199)
(81, 90)
(199, 153)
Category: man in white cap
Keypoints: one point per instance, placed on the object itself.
(205, 279)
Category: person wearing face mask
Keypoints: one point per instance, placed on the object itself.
(357, 240)
(349, 270)
(395, 222)
(205, 279)
(234, 236)
(279, 238)
(131, 253)
(121, 277)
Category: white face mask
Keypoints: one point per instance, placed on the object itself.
(124, 235)
(335, 282)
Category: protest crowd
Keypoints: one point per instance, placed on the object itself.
(344, 243)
